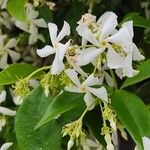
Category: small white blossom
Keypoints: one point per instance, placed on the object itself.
(32, 24)
(6, 146)
(86, 88)
(58, 48)
(3, 4)
(6, 46)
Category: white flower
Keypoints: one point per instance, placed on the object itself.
(6, 146)
(96, 35)
(4, 111)
(58, 48)
(86, 88)
(146, 143)
(32, 24)
(6, 46)
(107, 37)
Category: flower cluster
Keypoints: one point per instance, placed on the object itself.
(104, 46)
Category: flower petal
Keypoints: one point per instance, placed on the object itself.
(33, 39)
(40, 23)
(89, 100)
(53, 32)
(14, 55)
(46, 51)
(88, 55)
(109, 23)
(136, 54)
(64, 31)
(100, 93)
(91, 80)
(146, 143)
(109, 79)
(73, 76)
(6, 146)
(7, 111)
(72, 88)
(114, 60)
(2, 96)
(85, 33)
(3, 61)
(12, 43)
(122, 37)
(129, 26)
(22, 26)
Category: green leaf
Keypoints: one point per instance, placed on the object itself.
(30, 112)
(62, 103)
(15, 72)
(17, 9)
(138, 21)
(144, 73)
(133, 114)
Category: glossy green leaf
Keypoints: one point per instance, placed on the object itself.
(133, 114)
(30, 112)
(138, 21)
(15, 72)
(62, 103)
(95, 124)
(17, 9)
(144, 73)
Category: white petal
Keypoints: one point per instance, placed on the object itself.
(22, 26)
(12, 43)
(85, 33)
(127, 68)
(91, 80)
(129, 26)
(109, 23)
(89, 101)
(122, 37)
(53, 32)
(72, 88)
(33, 30)
(2, 37)
(40, 23)
(109, 79)
(17, 100)
(73, 76)
(14, 55)
(136, 54)
(33, 39)
(2, 96)
(146, 143)
(4, 4)
(61, 49)
(100, 93)
(3, 61)
(88, 55)
(6, 146)
(7, 111)
(57, 65)
(114, 60)
(46, 51)
(64, 31)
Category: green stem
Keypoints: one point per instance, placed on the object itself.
(36, 71)
(114, 79)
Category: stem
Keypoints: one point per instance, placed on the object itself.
(36, 71)
(90, 6)
(114, 79)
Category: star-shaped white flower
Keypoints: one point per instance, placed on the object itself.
(32, 24)
(86, 87)
(6, 46)
(4, 111)
(57, 48)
